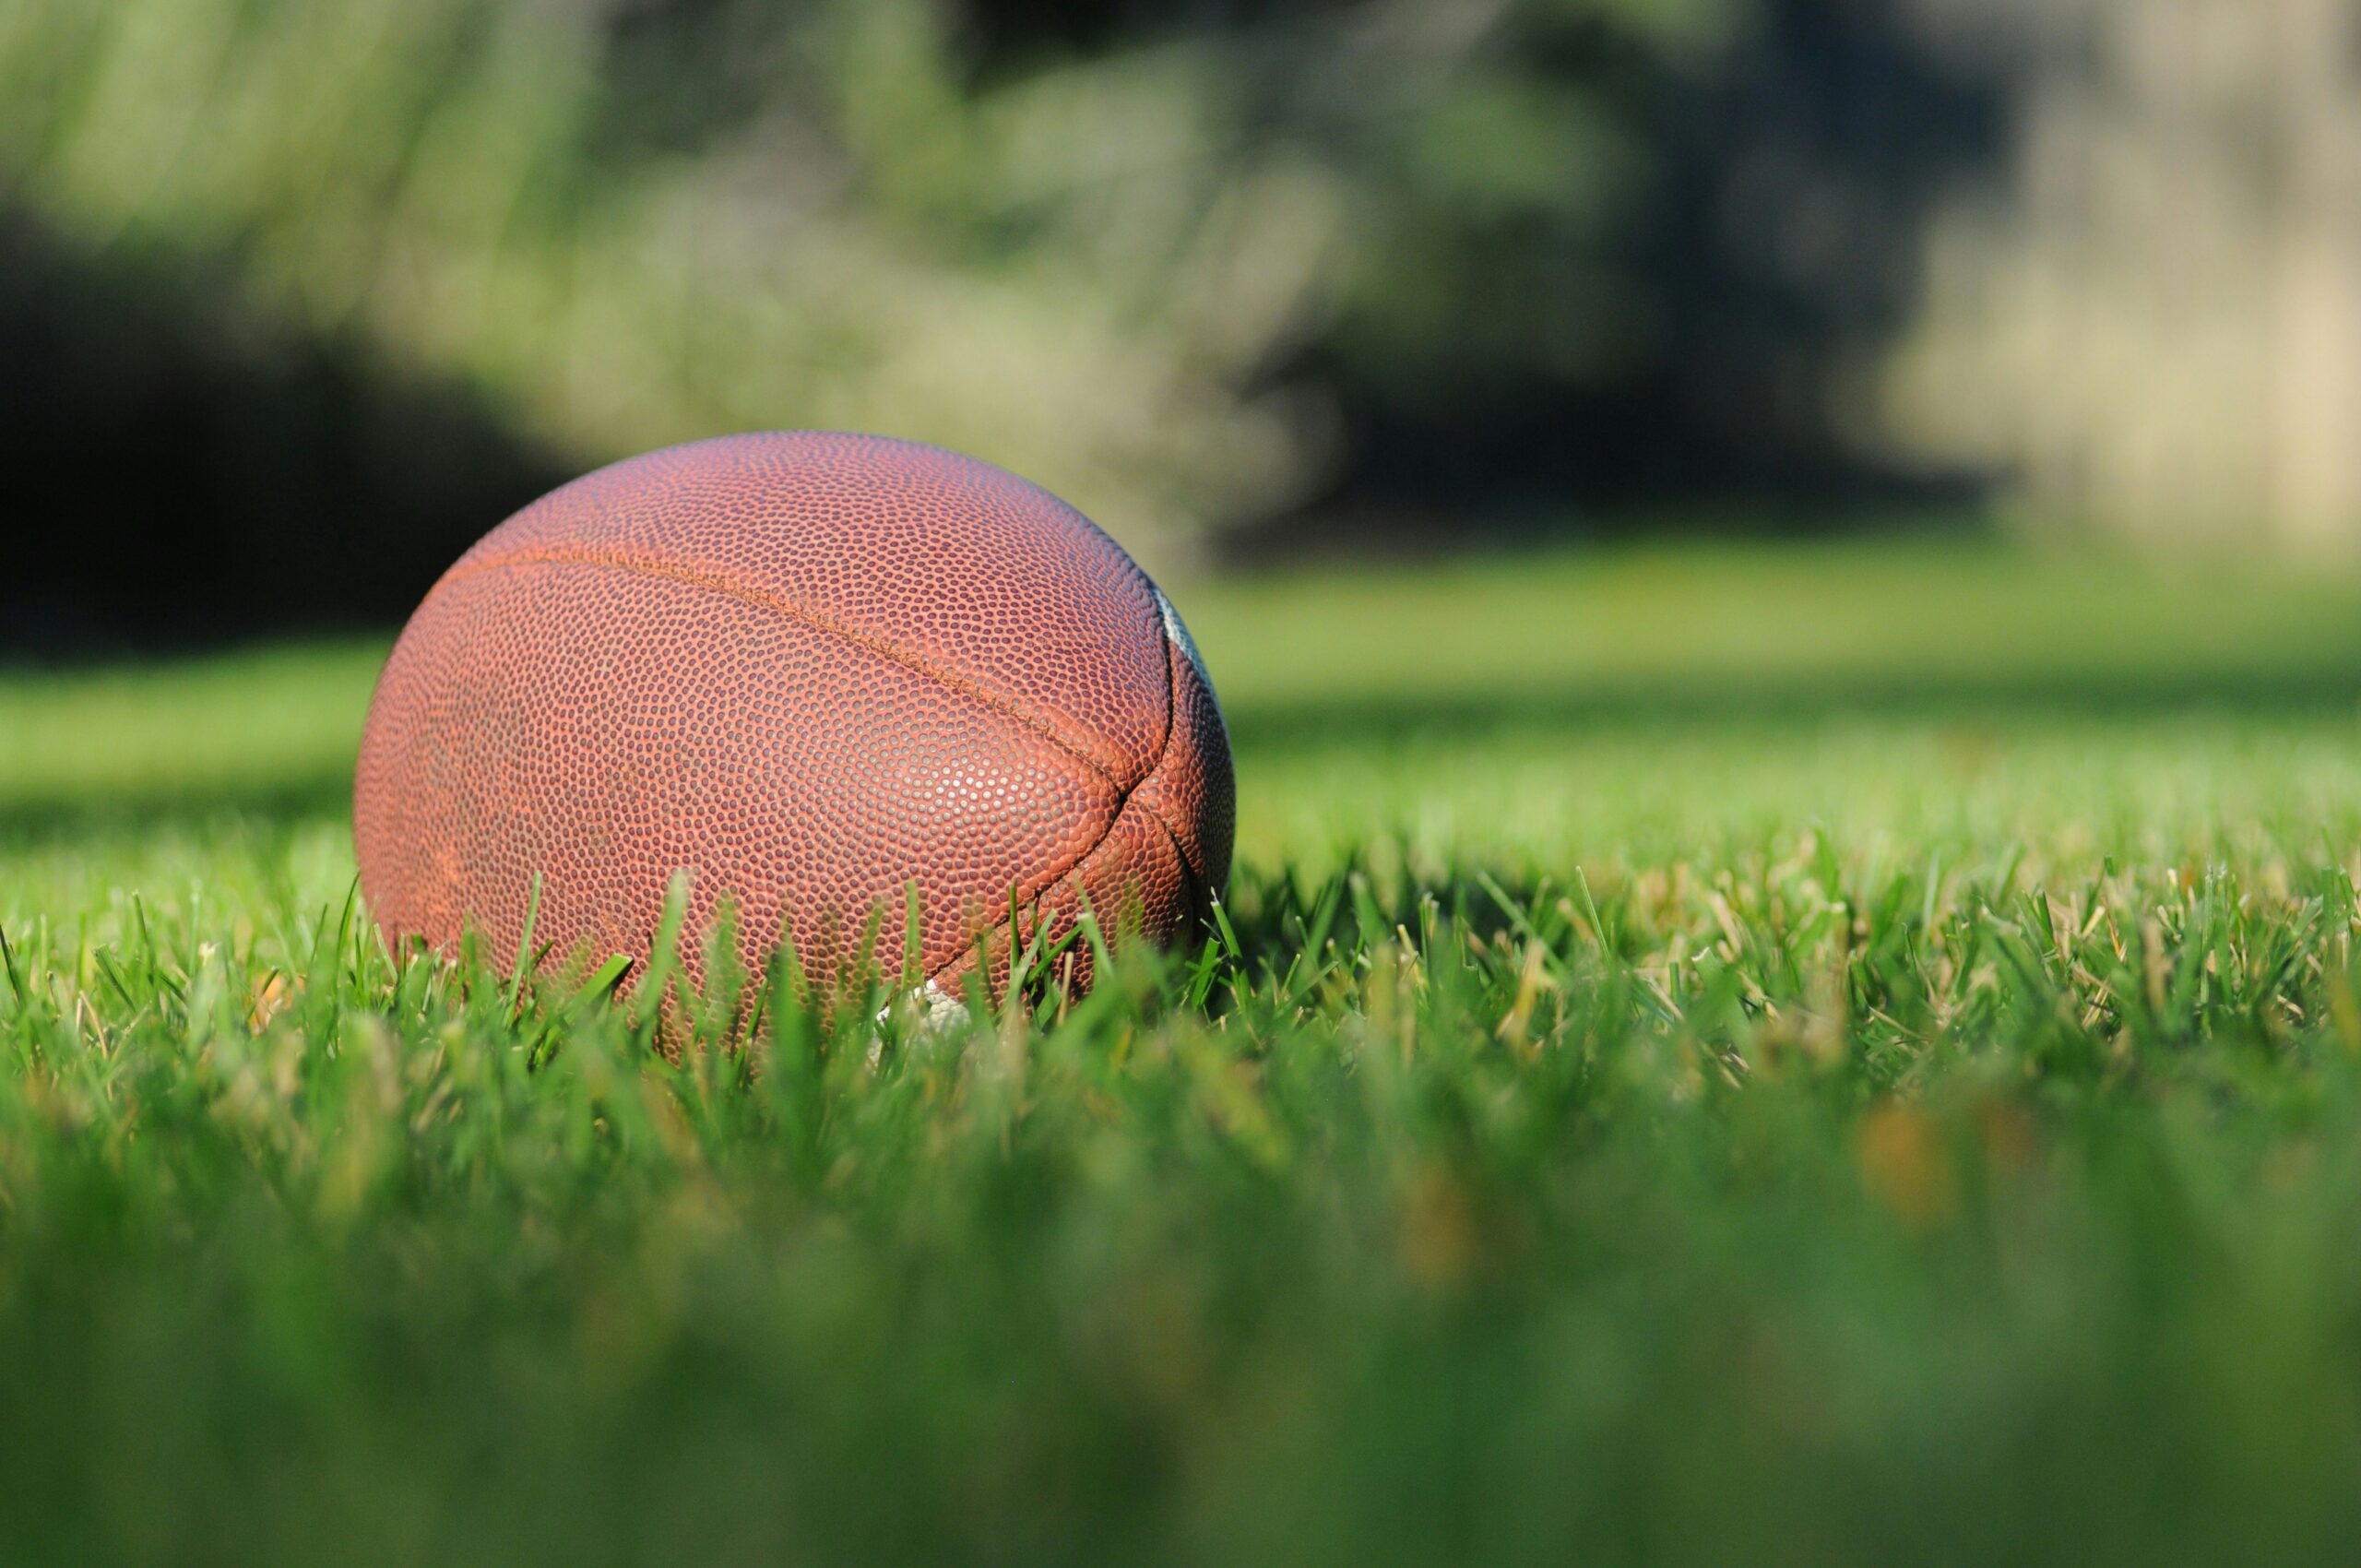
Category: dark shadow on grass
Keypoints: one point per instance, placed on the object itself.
(1316, 724)
(1296, 727)
(308, 796)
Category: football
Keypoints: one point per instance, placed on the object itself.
(824, 675)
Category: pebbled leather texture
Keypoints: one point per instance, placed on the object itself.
(813, 670)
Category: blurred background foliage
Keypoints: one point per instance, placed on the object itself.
(302, 296)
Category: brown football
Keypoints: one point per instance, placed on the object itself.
(814, 671)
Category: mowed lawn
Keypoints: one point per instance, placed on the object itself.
(1844, 1053)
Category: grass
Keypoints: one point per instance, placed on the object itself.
(1847, 1055)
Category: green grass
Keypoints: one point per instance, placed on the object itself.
(1846, 1055)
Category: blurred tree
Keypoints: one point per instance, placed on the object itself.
(183, 473)
(1603, 249)
(2150, 318)
(1191, 265)
(828, 229)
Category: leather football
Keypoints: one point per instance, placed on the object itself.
(817, 673)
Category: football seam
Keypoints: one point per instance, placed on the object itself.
(1179, 646)
(787, 610)
(1049, 885)
(1082, 858)
(1125, 795)
(1199, 899)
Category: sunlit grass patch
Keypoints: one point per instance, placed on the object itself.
(1803, 1118)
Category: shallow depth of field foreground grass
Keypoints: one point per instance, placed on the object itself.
(1846, 1056)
